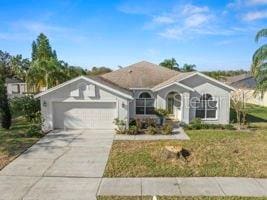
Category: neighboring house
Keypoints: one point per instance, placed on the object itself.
(134, 92)
(15, 87)
(247, 84)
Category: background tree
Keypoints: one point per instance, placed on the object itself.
(5, 71)
(96, 71)
(171, 64)
(46, 70)
(221, 75)
(259, 64)
(19, 67)
(188, 67)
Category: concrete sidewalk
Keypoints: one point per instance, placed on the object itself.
(195, 186)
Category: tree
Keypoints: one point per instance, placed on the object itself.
(96, 71)
(259, 64)
(188, 68)
(46, 70)
(238, 103)
(5, 71)
(34, 51)
(19, 67)
(171, 64)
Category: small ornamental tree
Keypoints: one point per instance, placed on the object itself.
(238, 103)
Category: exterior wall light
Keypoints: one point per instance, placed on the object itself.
(44, 104)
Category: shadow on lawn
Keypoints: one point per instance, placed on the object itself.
(250, 117)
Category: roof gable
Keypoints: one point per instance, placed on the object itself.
(95, 80)
(140, 75)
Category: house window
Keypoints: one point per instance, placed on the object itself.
(206, 107)
(15, 89)
(145, 104)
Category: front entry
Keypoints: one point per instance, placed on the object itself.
(174, 103)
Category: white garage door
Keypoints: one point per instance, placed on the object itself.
(84, 115)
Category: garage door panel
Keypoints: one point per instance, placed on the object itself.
(84, 115)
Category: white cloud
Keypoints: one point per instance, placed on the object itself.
(237, 4)
(163, 20)
(192, 9)
(257, 2)
(193, 20)
(255, 15)
(197, 20)
(38, 27)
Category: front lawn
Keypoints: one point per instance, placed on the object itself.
(213, 153)
(180, 198)
(14, 141)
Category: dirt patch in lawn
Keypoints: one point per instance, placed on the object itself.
(213, 153)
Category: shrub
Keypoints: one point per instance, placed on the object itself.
(121, 126)
(34, 131)
(161, 112)
(132, 130)
(166, 129)
(150, 122)
(197, 124)
(151, 130)
(27, 106)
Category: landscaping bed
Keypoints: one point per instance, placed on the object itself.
(15, 141)
(179, 198)
(212, 153)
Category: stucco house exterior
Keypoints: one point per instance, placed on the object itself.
(15, 87)
(134, 92)
(247, 84)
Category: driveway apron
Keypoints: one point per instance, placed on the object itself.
(61, 165)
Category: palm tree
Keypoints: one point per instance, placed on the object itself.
(170, 63)
(259, 64)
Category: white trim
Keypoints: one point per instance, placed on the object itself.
(85, 101)
(209, 78)
(140, 88)
(173, 83)
(87, 79)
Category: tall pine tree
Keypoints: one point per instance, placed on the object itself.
(34, 51)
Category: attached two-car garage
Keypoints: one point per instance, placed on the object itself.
(84, 115)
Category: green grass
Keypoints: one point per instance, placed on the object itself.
(180, 198)
(213, 153)
(14, 141)
(256, 114)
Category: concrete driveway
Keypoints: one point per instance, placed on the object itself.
(62, 165)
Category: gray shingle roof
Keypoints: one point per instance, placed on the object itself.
(110, 84)
(242, 81)
(140, 75)
(14, 80)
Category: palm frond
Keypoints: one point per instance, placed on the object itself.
(260, 34)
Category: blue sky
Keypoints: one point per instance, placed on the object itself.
(211, 34)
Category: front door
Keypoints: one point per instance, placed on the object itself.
(170, 105)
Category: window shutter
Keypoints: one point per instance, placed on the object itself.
(75, 93)
(90, 90)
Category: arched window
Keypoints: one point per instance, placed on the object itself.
(145, 104)
(144, 95)
(206, 107)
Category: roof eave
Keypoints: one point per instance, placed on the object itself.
(87, 79)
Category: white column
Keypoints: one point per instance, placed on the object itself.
(186, 107)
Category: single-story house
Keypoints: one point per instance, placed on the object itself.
(247, 83)
(15, 87)
(134, 92)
